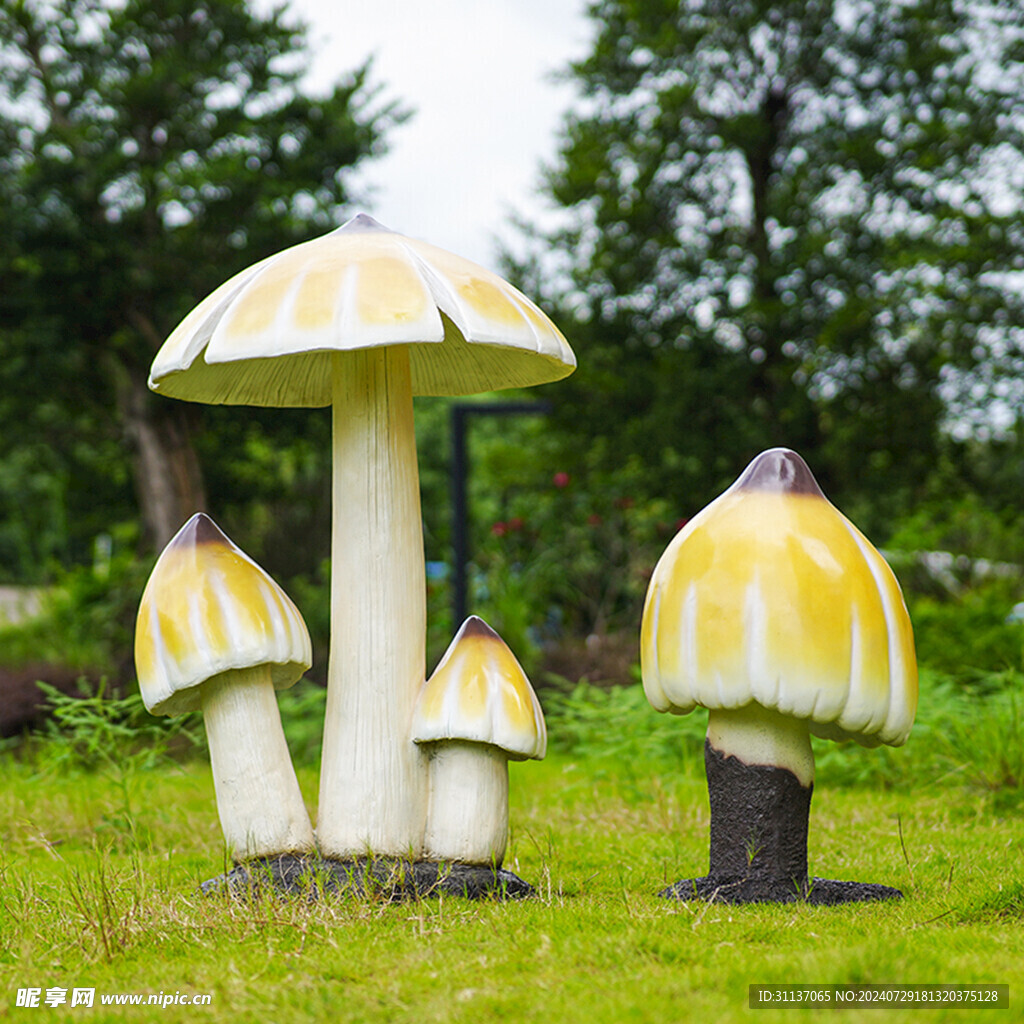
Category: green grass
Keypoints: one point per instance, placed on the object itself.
(99, 870)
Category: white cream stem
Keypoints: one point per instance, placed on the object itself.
(468, 817)
(373, 780)
(757, 735)
(259, 802)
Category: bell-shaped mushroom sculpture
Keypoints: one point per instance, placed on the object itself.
(216, 633)
(773, 611)
(363, 319)
(475, 713)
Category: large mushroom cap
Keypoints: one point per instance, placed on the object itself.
(480, 694)
(267, 335)
(771, 595)
(208, 608)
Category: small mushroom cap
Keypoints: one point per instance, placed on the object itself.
(771, 595)
(208, 608)
(479, 693)
(266, 337)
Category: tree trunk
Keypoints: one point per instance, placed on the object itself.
(168, 477)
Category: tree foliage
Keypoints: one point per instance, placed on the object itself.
(790, 223)
(148, 150)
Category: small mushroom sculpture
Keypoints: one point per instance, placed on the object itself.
(217, 634)
(475, 713)
(361, 320)
(772, 610)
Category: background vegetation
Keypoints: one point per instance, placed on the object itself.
(780, 223)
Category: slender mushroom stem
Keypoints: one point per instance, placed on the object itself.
(258, 798)
(757, 735)
(468, 819)
(373, 783)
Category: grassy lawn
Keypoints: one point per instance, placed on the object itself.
(99, 869)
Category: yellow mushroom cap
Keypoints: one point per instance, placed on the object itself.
(479, 693)
(267, 335)
(771, 595)
(208, 608)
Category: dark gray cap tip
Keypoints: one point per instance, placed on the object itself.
(362, 222)
(475, 626)
(779, 471)
(200, 529)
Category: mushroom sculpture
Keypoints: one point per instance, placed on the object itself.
(361, 320)
(772, 610)
(475, 713)
(215, 633)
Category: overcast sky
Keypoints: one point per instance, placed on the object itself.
(478, 74)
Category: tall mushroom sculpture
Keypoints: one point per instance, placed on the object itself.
(773, 611)
(362, 319)
(215, 633)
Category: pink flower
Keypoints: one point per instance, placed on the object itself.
(499, 529)
(515, 524)
(560, 479)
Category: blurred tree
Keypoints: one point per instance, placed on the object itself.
(789, 223)
(148, 150)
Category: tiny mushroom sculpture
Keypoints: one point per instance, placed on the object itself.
(773, 611)
(216, 633)
(361, 320)
(475, 713)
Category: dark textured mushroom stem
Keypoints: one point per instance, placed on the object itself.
(759, 816)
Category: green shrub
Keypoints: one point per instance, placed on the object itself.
(92, 730)
(618, 726)
(968, 633)
(87, 620)
(302, 716)
(964, 524)
(567, 557)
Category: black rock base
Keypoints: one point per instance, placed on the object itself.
(387, 878)
(820, 892)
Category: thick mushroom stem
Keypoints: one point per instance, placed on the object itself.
(757, 735)
(760, 771)
(373, 786)
(258, 798)
(468, 817)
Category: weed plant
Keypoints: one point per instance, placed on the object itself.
(93, 730)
